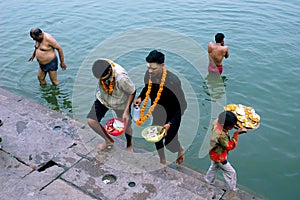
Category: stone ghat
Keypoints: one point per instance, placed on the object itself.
(48, 155)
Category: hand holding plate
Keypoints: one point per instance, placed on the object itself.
(242, 130)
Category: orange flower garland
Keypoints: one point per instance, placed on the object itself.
(110, 88)
(143, 117)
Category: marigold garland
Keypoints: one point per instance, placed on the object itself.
(110, 88)
(143, 117)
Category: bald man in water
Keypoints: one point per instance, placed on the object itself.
(44, 50)
(216, 52)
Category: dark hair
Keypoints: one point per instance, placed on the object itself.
(35, 31)
(155, 57)
(100, 68)
(227, 119)
(219, 37)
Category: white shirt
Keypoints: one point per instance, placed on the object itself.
(123, 87)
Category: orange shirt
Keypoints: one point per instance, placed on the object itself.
(221, 143)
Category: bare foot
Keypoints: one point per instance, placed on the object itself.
(163, 161)
(180, 157)
(105, 145)
(130, 149)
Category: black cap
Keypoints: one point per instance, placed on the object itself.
(227, 119)
(100, 68)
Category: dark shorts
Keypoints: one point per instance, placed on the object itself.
(51, 66)
(99, 110)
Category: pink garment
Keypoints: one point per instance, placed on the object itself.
(218, 69)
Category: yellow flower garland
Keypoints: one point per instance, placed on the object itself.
(110, 88)
(143, 117)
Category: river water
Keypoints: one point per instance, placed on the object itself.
(262, 70)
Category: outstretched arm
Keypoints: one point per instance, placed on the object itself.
(230, 144)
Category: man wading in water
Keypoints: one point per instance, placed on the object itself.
(216, 52)
(44, 50)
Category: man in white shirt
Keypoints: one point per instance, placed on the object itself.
(116, 92)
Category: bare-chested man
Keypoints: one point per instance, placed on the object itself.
(44, 50)
(216, 53)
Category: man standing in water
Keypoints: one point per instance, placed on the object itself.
(44, 50)
(216, 53)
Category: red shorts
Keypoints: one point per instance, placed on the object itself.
(218, 69)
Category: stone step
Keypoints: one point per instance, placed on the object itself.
(47, 155)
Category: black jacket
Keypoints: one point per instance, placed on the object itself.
(171, 104)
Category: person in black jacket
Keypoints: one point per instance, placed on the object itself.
(167, 104)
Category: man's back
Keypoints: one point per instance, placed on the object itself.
(216, 53)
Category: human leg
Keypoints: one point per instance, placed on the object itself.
(95, 115)
(53, 77)
(229, 175)
(41, 76)
(98, 128)
(50, 67)
(128, 135)
(211, 173)
(128, 131)
(161, 152)
(172, 144)
(180, 156)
